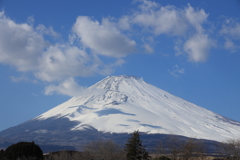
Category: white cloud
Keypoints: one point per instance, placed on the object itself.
(62, 61)
(23, 78)
(178, 47)
(161, 20)
(148, 48)
(231, 28)
(124, 23)
(47, 31)
(30, 20)
(169, 19)
(185, 24)
(24, 47)
(197, 47)
(20, 45)
(68, 87)
(230, 45)
(176, 71)
(195, 18)
(2, 14)
(146, 5)
(231, 33)
(19, 79)
(103, 39)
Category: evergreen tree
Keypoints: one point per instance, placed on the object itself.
(1, 154)
(27, 150)
(134, 148)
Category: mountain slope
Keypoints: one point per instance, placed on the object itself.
(123, 104)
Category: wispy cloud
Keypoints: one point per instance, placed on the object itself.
(231, 28)
(176, 71)
(22, 78)
(231, 32)
(47, 31)
(230, 45)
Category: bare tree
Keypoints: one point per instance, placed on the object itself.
(178, 149)
(230, 149)
(66, 155)
(160, 149)
(192, 149)
(103, 150)
(170, 147)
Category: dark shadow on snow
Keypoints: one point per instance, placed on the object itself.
(152, 126)
(109, 111)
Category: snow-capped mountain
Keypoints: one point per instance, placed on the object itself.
(123, 104)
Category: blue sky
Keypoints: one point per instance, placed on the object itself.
(52, 50)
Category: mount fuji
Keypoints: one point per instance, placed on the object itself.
(118, 105)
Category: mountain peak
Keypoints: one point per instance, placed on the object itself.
(113, 82)
(123, 77)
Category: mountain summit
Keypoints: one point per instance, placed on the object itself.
(123, 104)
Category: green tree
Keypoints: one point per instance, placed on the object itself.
(134, 148)
(1, 154)
(23, 150)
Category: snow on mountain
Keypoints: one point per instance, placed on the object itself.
(123, 104)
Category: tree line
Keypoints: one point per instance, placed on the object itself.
(172, 148)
